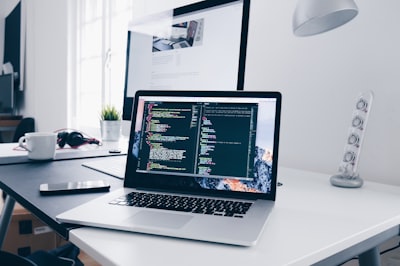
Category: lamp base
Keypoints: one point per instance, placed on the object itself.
(346, 181)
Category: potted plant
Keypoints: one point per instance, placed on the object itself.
(110, 123)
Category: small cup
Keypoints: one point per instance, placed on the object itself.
(40, 145)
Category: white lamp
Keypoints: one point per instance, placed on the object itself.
(317, 16)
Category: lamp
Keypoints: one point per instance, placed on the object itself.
(317, 16)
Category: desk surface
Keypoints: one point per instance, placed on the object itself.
(10, 153)
(311, 222)
(22, 181)
(9, 122)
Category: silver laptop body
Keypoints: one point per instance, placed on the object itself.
(201, 146)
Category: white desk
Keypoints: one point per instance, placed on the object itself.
(11, 153)
(312, 221)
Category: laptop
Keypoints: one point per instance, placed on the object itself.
(200, 165)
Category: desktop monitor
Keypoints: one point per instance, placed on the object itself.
(12, 43)
(201, 46)
(6, 94)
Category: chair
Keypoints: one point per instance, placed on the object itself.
(7, 258)
(26, 125)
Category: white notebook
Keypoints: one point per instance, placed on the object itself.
(114, 166)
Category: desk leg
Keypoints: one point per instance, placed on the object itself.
(5, 218)
(370, 258)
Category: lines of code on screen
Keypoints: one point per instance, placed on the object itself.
(199, 139)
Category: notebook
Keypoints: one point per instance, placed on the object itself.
(200, 165)
(114, 166)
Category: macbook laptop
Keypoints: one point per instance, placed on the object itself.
(200, 165)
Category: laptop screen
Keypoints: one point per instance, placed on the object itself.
(209, 142)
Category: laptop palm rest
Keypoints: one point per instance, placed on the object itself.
(160, 220)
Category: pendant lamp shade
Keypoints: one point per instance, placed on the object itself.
(317, 16)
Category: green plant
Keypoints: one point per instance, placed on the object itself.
(110, 113)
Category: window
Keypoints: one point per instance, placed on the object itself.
(102, 27)
(101, 40)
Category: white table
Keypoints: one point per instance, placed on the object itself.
(312, 222)
(11, 153)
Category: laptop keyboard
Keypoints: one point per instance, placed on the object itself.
(191, 204)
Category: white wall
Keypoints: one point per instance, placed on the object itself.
(46, 94)
(319, 77)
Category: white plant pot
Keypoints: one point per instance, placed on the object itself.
(110, 130)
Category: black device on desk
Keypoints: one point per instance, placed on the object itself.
(74, 187)
(6, 94)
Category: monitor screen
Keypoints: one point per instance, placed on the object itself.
(6, 94)
(12, 43)
(201, 46)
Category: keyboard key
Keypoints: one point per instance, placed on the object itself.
(226, 208)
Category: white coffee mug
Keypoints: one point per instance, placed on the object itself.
(40, 145)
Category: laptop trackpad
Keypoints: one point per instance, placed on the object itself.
(157, 219)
